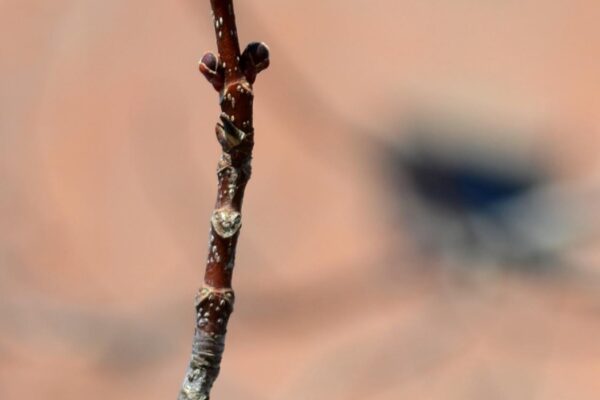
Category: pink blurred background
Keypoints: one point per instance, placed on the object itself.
(107, 180)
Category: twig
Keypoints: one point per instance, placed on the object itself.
(232, 74)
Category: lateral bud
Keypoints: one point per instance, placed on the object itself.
(212, 70)
(255, 59)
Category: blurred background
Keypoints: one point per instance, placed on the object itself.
(421, 222)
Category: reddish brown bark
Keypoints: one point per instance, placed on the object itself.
(232, 74)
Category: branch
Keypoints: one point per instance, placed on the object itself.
(232, 74)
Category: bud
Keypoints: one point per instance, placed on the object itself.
(255, 58)
(212, 71)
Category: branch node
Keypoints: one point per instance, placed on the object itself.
(226, 222)
(228, 135)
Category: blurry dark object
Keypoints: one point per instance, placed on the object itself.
(476, 192)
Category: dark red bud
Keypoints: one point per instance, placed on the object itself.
(210, 62)
(255, 58)
(212, 71)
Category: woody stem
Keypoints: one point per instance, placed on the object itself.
(231, 74)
